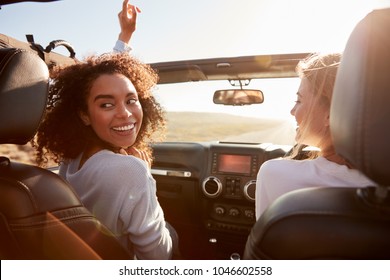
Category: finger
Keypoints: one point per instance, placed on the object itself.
(127, 7)
(124, 6)
(123, 151)
(133, 10)
(133, 151)
(146, 158)
(140, 154)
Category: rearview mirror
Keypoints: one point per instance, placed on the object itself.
(238, 97)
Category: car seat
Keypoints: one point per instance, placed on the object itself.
(40, 215)
(343, 223)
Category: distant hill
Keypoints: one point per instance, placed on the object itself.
(184, 126)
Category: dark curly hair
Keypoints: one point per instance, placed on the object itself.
(62, 135)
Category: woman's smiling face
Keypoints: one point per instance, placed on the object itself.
(114, 110)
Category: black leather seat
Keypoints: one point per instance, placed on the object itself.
(40, 215)
(343, 223)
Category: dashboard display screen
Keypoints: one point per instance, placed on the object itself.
(234, 164)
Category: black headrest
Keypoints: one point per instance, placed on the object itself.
(23, 94)
(360, 111)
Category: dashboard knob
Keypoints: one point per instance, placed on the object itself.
(250, 214)
(219, 210)
(250, 190)
(234, 212)
(212, 187)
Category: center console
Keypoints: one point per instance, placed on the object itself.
(231, 176)
(229, 193)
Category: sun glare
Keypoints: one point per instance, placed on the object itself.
(264, 27)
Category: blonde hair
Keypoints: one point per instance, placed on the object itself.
(320, 71)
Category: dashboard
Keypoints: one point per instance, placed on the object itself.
(207, 192)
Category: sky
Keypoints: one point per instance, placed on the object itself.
(182, 29)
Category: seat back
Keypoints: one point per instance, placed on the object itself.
(360, 115)
(40, 215)
(343, 223)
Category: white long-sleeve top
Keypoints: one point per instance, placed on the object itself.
(279, 176)
(121, 192)
(121, 46)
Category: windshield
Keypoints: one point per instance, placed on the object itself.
(174, 30)
(192, 115)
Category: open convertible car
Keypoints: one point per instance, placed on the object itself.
(226, 117)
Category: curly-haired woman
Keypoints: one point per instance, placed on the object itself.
(100, 120)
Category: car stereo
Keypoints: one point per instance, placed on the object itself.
(234, 164)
